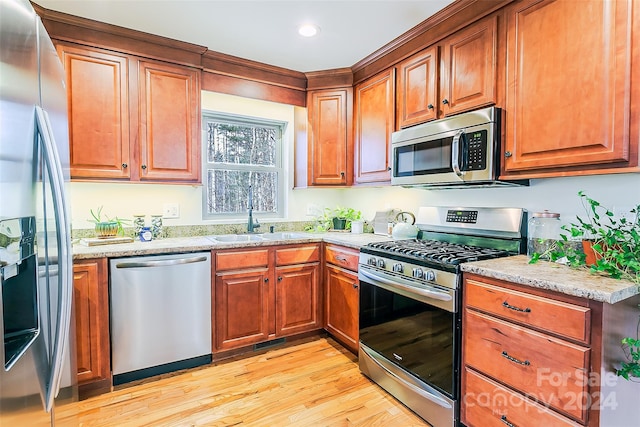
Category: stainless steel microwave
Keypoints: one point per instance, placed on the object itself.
(451, 152)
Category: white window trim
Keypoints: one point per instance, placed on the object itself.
(208, 115)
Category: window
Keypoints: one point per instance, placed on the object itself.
(242, 152)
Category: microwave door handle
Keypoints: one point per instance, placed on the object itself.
(455, 152)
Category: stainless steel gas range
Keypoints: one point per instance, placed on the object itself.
(410, 301)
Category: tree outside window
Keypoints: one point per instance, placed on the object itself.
(241, 152)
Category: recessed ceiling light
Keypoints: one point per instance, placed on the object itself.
(308, 30)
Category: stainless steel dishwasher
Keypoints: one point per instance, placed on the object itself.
(160, 310)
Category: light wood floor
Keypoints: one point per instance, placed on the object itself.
(313, 383)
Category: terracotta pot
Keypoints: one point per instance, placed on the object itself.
(591, 255)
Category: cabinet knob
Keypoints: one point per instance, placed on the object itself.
(508, 154)
(342, 174)
(124, 166)
(279, 278)
(266, 280)
(430, 106)
(143, 166)
(355, 286)
(445, 101)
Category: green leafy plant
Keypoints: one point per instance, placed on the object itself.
(105, 224)
(324, 222)
(615, 243)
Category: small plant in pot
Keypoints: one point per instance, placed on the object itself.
(611, 247)
(341, 217)
(106, 226)
(338, 218)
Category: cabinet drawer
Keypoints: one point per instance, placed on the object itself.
(553, 370)
(298, 255)
(488, 404)
(242, 259)
(569, 320)
(342, 257)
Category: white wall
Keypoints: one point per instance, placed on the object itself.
(620, 191)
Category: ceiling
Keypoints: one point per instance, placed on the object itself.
(266, 30)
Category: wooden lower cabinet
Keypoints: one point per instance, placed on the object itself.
(91, 308)
(263, 294)
(530, 357)
(241, 308)
(342, 292)
(297, 299)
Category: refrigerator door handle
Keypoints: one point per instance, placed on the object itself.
(65, 261)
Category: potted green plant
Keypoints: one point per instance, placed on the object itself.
(610, 246)
(341, 217)
(338, 218)
(106, 226)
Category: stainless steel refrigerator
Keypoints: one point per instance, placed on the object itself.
(38, 373)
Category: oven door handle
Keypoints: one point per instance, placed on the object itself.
(434, 294)
(430, 394)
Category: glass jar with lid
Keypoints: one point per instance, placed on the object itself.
(543, 232)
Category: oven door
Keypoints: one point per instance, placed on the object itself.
(409, 343)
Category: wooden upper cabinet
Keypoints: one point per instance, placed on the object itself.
(470, 67)
(458, 74)
(374, 122)
(169, 127)
(330, 137)
(98, 110)
(568, 91)
(418, 88)
(131, 119)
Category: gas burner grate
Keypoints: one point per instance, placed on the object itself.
(438, 251)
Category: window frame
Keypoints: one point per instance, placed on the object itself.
(278, 168)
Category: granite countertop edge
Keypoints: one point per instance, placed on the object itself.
(198, 244)
(554, 277)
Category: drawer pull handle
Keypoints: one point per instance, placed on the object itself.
(514, 308)
(506, 421)
(513, 359)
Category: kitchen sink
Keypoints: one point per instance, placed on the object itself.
(232, 238)
(285, 235)
(236, 238)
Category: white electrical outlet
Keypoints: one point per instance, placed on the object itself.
(171, 210)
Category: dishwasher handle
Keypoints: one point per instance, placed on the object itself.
(161, 263)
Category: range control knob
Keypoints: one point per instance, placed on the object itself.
(430, 275)
(398, 268)
(372, 261)
(418, 273)
(381, 263)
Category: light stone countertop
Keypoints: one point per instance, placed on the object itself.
(201, 243)
(516, 269)
(554, 277)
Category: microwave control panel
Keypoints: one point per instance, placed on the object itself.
(477, 150)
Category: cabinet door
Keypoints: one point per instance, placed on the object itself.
(330, 139)
(298, 307)
(469, 67)
(241, 309)
(567, 91)
(98, 109)
(374, 123)
(91, 302)
(342, 292)
(417, 88)
(169, 127)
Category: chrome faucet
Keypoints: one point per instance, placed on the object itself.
(252, 223)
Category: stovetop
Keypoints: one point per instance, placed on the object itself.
(444, 253)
